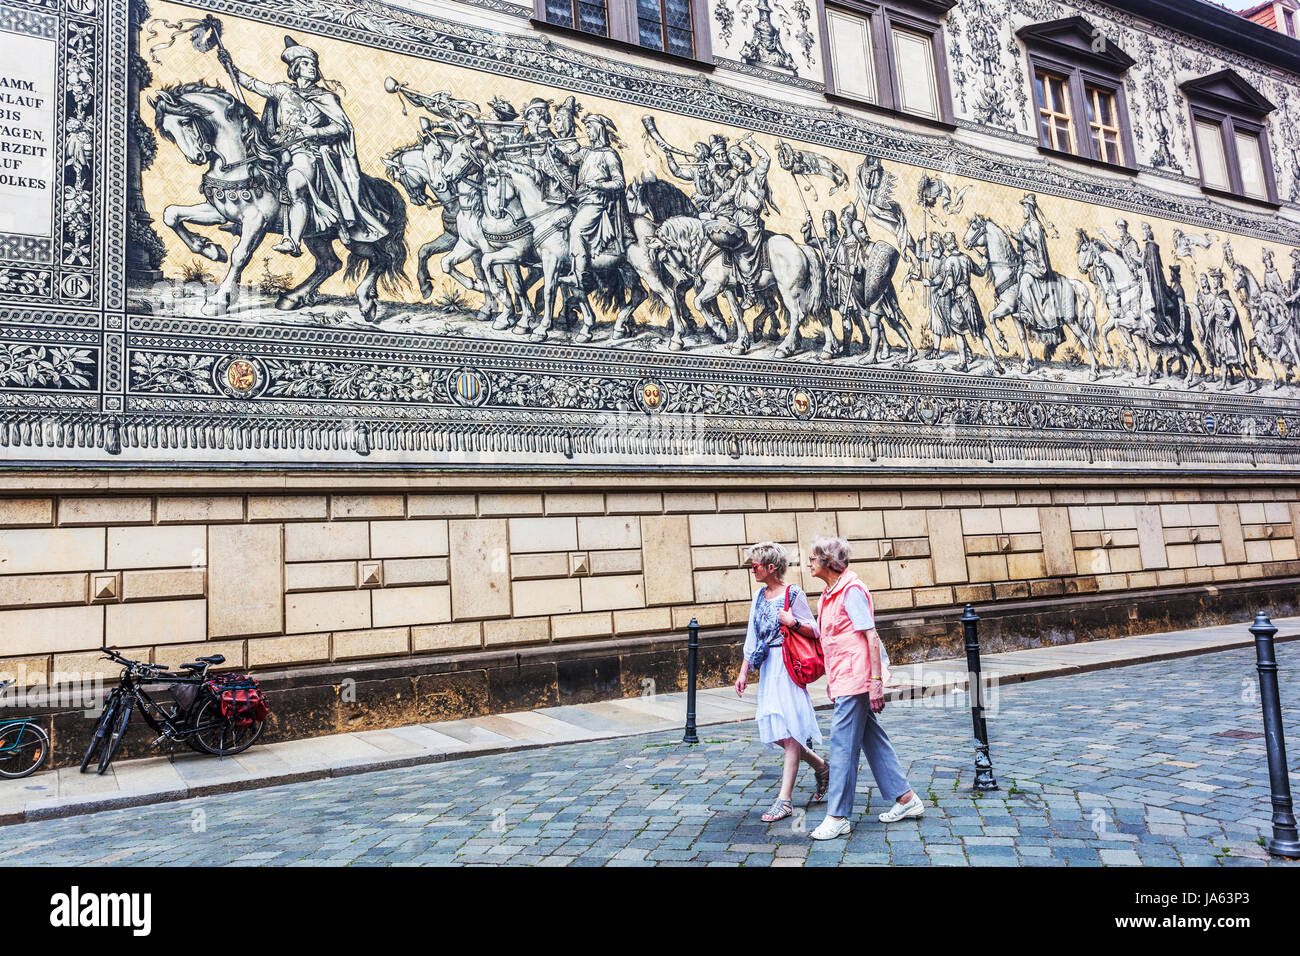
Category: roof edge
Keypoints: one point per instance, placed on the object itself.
(1221, 27)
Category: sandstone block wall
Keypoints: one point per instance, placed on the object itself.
(274, 579)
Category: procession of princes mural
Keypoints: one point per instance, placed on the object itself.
(551, 225)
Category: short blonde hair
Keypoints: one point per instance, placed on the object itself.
(835, 553)
(769, 552)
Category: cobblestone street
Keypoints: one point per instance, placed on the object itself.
(1156, 764)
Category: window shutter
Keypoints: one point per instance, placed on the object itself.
(1214, 164)
(851, 54)
(914, 62)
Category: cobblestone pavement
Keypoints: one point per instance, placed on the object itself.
(1140, 765)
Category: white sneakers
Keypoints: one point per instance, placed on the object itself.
(913, 808)
(829, 829)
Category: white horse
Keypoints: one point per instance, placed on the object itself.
(1065, 302)
(243, 186)
(1131, 319)
(683, 245)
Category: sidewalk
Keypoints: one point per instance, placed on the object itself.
(67, 792)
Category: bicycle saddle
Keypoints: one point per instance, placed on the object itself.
(213, 659)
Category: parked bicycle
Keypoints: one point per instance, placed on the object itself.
(207, 714)
(24, 744)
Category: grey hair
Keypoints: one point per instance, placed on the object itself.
(834, 552)
(769, 552)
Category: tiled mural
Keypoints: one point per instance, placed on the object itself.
(351, 233)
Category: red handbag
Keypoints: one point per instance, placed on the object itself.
(803, 655)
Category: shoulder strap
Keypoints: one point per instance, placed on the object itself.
(787, 597)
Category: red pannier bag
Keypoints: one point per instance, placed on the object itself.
(803, 655)
(240, 697)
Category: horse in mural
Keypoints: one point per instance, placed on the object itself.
(1277, 338)
(651, 201)
(416, 168)
(245, 194)
(683, 246)
(1121, 290)
(1061, 302)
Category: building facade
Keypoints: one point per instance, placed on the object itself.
(462, 348)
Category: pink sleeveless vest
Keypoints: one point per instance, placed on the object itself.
(848, 663)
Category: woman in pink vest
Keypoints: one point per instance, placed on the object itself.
(855, 680)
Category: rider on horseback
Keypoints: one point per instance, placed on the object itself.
(305, 120)
(742, 206)
(602, 224)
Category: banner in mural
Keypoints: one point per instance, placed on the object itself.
(358, 234)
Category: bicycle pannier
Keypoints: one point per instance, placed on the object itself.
(241, 699)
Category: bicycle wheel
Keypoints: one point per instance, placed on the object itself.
(102, 726)
(23, 748)
(222, 737)
(119, 731)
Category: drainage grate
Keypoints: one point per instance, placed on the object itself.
(1239, 734)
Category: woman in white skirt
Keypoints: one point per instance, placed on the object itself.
(785, 715)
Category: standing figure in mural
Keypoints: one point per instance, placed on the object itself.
(1229, 339)
(1293, 290)
(304, 119)
(930, 254)
(839, 258)
(876, 194)
(873, 288)
(1157, 298)
(601, 225)
(1181, 311)
(962, 318)
(1203, 322)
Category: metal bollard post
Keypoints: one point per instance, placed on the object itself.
(1285, 842)
(984, 779)
(692, 659)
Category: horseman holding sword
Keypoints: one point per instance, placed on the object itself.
(305, 121)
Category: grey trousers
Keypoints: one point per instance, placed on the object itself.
(854, 726)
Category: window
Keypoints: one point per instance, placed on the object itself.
(579, 14)
(888, 53)
(665, 26)
(1214, 158)
(1054, 111)
(1103, 120)
(1079, 92)
(1229, 117)
(851, 54)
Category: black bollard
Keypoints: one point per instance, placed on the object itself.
(1285, 842)
(692, 658)
(984, 779)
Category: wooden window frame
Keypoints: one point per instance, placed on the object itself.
(1078, 78)
(1066, 47)
(883, 16)
(1229, 125)
(622, 20)
(1233, 116)
(1093, 127)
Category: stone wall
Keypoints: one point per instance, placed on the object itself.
(305, 576)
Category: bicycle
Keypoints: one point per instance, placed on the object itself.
(195, 717)
(24, 744)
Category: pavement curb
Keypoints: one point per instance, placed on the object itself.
(121, 801)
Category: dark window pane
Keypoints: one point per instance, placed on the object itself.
(650, 35)
(681, 41)
(592, 18)
(678, 13)
(559, 11)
